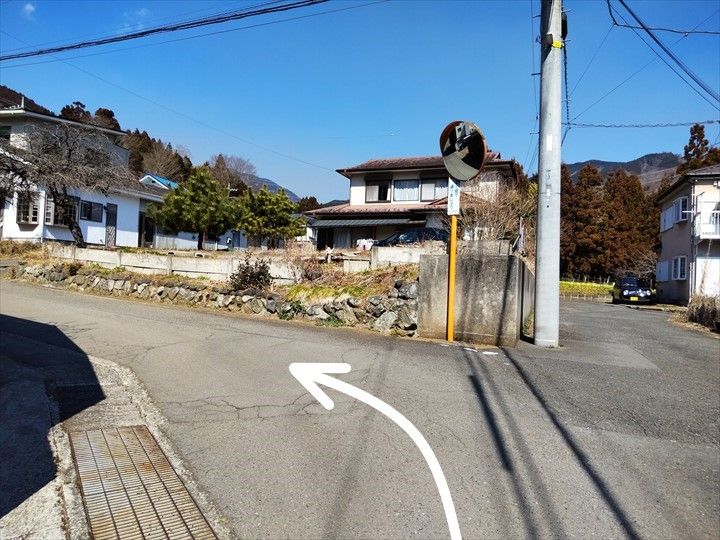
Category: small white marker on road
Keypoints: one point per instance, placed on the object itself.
(490, 353)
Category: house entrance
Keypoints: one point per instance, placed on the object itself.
(111, 225)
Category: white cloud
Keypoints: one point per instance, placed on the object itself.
(133, 21)
(28, 10)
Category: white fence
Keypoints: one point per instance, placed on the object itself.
(218, 269)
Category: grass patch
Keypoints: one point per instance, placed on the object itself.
(585, 289)
(333, 283)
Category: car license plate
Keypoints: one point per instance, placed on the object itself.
(633, 298)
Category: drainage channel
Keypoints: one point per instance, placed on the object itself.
(130, 490)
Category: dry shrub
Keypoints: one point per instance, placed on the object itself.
(10, 248)
(705, 310)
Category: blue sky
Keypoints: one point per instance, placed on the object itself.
(378, 80)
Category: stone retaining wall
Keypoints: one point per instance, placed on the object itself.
(394, 312)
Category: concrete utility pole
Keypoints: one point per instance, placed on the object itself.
(547, 254)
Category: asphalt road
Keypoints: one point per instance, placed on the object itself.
(613, 435)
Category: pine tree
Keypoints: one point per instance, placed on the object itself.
(269, 215)
(307, 203)
(200, 205)
(76, 111)
(105, 118)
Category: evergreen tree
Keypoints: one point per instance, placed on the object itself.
(307, 203)
(76, 111)
(590, 221)
(269, 215)
(567, 222)
(105, 118)
(200, 205)
(698, 152)
(627, 208)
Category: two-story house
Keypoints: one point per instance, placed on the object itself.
(391, 195)
(113, 218)
(689, 262)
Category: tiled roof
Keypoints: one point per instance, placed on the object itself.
(418, 162)
(703, 171)
(379, 208)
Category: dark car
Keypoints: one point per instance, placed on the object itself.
(413, 236)
(633, 290)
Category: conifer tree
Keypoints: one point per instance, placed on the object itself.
(199, 205)
(269, 215)
(590, 221)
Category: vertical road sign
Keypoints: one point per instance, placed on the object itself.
(453, 206)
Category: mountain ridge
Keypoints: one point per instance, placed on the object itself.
(650, 168)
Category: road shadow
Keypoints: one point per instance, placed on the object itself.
(524, 477)
(580, 455)
(45, 378)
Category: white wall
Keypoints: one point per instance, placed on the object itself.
(93, 232)
(708, 276)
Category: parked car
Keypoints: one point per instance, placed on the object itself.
(633, 290)
(413, 236)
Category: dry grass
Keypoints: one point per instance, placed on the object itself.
(704, 310)
(584, 288)
(28, 252)
(333, 282)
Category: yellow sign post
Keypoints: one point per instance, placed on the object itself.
(451, 280)
(464, 151)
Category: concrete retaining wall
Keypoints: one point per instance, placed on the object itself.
(381, 257)
(217, 269)
(493, 296)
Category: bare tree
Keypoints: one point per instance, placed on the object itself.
(60, 159)
(232, 171)
(498, 213)
(163, 161)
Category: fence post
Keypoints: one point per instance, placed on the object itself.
(119, 258)
(170, 264)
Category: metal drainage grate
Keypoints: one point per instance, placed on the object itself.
(130, 490)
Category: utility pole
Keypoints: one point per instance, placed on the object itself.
(547, 253)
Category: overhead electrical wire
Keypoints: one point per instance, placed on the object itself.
(54, 59)
(534, 126)
(592, 59)
(186, 116)
(186, 25)
(642, 68)
(164, 20)
(672, 55)
(658, 125)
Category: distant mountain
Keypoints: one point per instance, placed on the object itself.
(334, 202)
(12, 98)
(651, 168)
(256, 183)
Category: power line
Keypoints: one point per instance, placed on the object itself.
(624, 81)
(206, 34)
(634, 73)
(604, 39)
(164, 20)
(567, 97)
(661, 29)
(186, 116)
(659, 125)
(672, 55)
(186, 25)
(534, 85)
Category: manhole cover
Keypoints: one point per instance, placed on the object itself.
(130, 490)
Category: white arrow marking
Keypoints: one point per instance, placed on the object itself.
(311, 374)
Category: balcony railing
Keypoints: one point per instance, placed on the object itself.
(708, 225)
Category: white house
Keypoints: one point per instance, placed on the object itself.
(113, 219)
(689, 262)
(392, 195)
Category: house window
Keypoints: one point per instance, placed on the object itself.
(680, 207)
(5, 132)
(679, 268)
(27, 210)
(52, 216)
(377, 191)
(434, 189)
(91, 211)
(406, 190)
